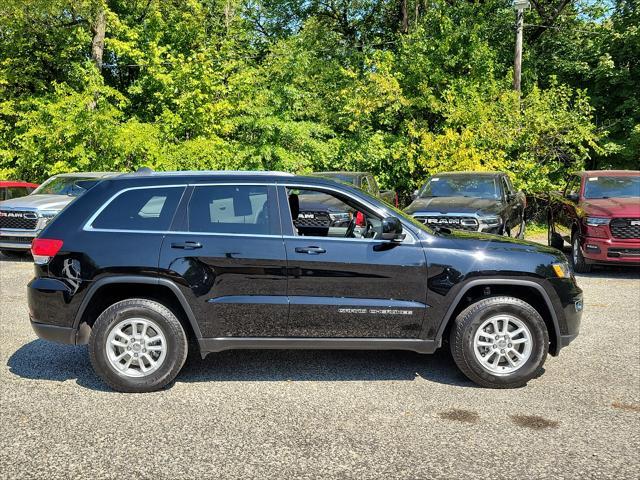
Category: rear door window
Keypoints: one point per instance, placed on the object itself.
(234, 209)
(140, 209)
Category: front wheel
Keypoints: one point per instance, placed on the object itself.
(137, 345)
(580, 265)
(500, 342)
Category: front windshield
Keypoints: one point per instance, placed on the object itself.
(461, 186)
(342, 178)
(72, 186)
(612, 187)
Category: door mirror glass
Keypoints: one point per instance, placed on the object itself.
(392, 229)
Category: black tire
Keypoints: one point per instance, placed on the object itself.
(14, 253)
(579, 263)
(471, 318)
(176, 348)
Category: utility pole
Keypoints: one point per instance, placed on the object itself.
(519, 6)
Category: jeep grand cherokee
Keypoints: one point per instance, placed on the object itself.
(145, 266)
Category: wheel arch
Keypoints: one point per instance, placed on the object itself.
(527, 290)
(106, 291)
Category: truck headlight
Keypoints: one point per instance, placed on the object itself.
(596, 221)
(490, 220)
(47, 216)
(561, 270)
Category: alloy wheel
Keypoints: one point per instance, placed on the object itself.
(502, 344)
(136, 347)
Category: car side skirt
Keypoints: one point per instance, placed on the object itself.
(211, 345)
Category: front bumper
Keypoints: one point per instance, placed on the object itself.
(609, 250)
(568, 305)
(15, 239)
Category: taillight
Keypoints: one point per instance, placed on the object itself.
(44, 249)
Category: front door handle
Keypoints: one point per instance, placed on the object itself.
(188, 245)
(310, 250)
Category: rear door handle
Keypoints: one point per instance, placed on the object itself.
(310, 250)
(188, 245)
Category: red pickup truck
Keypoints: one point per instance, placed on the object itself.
(9, 190)
(598, 213)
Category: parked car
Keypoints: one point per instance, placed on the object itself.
(365, 181)
(598, 213)
(21, 219)
(143, 264)
(472, 201)
(9, 189)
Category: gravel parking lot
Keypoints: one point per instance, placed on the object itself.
(310, 414)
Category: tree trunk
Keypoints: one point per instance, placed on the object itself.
(404, 14)
(97, 44)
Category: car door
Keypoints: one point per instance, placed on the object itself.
(351, 287)
(226, 252)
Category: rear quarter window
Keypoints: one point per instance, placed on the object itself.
(140, 209)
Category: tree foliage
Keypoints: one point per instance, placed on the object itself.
(402, 88)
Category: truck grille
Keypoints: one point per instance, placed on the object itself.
(309, 219)
(623, 252)
(625, 227)
(459, 223)
(18, 219)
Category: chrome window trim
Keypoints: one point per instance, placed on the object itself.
(88, 226)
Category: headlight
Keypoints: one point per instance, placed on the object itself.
(47, 215)
(490, 220)
(562, 270)
(596, 221)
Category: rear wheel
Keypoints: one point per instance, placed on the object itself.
(137, 345)
(579, 263)
(500, 342)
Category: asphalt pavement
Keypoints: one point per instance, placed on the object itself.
(326, 414)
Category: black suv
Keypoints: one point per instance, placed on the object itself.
(145, 266)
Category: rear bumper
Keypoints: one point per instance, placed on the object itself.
(58, 334)
(611, 251)
(54, 333)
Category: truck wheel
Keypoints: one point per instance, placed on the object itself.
(500, 342)
(137, 345)
(579, 263)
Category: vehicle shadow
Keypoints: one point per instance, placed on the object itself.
(21, 258)
(42, 360)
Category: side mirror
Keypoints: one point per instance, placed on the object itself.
(573, 197)
(392, 229)
(414, 195)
